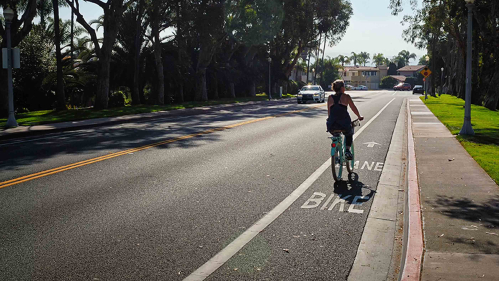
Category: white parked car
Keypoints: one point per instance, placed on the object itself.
(361, 87)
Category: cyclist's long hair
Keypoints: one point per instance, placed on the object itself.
(337, 85)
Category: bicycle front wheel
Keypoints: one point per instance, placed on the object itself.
(350, 163)
(336, 164)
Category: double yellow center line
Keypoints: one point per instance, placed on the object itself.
(128, 151)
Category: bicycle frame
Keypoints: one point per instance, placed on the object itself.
(337, 145)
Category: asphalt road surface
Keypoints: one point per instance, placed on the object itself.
(89, 205)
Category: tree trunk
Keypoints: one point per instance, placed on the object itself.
(215, 86)
(102, 93)
(159, 70)
(181, 92)
(232, 90)
(138, 44)
(61, 97)
(252, 89)
(158, 60)
(492, 98)
(201, 92)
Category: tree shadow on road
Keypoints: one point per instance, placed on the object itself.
(132, 134)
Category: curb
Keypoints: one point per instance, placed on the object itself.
(414, 254)
(26, 131)
(377, 257)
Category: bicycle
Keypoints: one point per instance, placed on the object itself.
(338, 153)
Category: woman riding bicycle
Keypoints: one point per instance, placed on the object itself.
(338, 117)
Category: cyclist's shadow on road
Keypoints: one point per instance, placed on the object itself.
(353, 188)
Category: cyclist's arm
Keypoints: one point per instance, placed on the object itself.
(354, 108)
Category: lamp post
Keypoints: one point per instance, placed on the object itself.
(270, 83)
(8, 14)
(467, 129)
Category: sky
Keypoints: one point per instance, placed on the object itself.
(373, 29)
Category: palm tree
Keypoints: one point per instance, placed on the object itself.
(379, 59)
(343, 59)
(406, 55)
(365, 57)
(354, 57)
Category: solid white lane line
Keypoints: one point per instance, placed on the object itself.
(225, 254)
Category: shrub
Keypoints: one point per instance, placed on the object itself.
(388, 82)
(117, 99)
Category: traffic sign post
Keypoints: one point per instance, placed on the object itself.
(425, 72)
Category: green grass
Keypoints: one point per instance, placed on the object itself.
(484, 146)
(51, 116)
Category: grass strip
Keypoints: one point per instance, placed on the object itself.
(52, 116)
(484, 145)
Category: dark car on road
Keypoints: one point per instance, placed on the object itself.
(402, 87)
(418, 89)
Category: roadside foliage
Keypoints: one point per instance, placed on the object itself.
(166, 51)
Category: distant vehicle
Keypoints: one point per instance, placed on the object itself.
(362, 88)
(311, 93)
(418, 89)
(402, 87)
(349, 87)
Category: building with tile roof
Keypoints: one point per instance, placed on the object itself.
(364, 75)
(410, 70)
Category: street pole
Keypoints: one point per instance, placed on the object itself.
(424, 87)
(11, 121)
(467, 129)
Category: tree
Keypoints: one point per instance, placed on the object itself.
(355, 57)
(20, 28)
(343, 59)
(440, 27)
(113, 11)
(61, 97)
(379, 59)
(365, 57)
(406, 56)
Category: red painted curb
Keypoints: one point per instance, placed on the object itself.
(414, 254)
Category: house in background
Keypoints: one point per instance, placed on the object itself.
(364, 75)
(400, 78)
(410, 70)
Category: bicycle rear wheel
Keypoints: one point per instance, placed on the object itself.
(350, 163)
(336, 164)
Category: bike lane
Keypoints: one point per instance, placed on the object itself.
(317, 237)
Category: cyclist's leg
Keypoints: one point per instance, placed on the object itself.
(348, 144)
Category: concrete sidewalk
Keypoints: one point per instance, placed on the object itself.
(459, 203)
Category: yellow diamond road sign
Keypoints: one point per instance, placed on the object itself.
(426, 72)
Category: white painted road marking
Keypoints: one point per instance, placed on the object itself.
(225, 254)
(372, 144)
(378, 166)
(316, 199)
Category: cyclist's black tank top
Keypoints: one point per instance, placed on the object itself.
(339, 119)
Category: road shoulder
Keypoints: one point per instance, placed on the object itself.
(379, 253)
